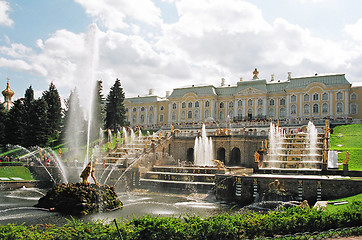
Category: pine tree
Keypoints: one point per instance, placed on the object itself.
(115, 110)
(38, 125)
(15, 124)
(54, 111)
(2, 124)
(28, 101)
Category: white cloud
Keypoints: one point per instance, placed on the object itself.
(114, 13)
(355, 30)
(4, 14)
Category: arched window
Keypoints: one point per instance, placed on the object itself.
(196, 115)
(250, 111)
(221, 105)
(189, 105)
(250, 102)
(162, 108)
(231, 114)
(142, 109)
(240, 114)
(174, 106)
(189, 114)
(293, 98)
(271, 112)
(315, 97)
(339, 107)
(293, 109)
(271, 102)
(353, 96)
(306, 109)
(134, 109)
(150, 119)
(325, 108)
(207, 114)
(183, 105)
(240, 103)
(183, 115)
(161, 118)
(325, 96)
(151, 108)
(306, 97)
(134, 118)
(197, 104)
(282, 112)
(282, 102)
(339, 96)
(142, 118)
(315, 108)
(353, 108)
(207, 104)
(221, 115)
(231, 104)
(260, 112)
(260, 102)
(173, 116)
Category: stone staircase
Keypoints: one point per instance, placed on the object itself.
(173, 178)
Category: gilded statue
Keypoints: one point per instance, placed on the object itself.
(256, 156)
(219, 164)
(89, 170)
(348, 155)
(255, 74)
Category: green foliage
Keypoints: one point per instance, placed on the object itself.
(223, 226)
(350, 140)
(54, 111)
(115, 110)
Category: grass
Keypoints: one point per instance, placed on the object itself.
(348, 137)
(351, 199)
(16, 171)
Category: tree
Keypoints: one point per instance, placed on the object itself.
(15, 123)
(54, 111)
(115, 110)
(37, 129)
(2, 124)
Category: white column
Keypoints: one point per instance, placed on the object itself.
(265, 106)
(169, 113)
(244, 107)
(179, 111)
(331, 96)
(346, 103)
(277, 108)
(287, 106)
(155, 119)
(301, 105)
(235, 108)
(212, 113)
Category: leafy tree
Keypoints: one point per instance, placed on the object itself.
(115, 110)
(54, 111)
(37, 129)
(2, 124)
(15, 123)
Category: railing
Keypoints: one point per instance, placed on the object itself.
(332, 233)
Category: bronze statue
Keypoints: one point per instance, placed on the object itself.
(347, 158)
(89, 170)
(256, 156)
(219, 164)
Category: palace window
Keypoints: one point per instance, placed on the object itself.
(271, 102)
(174, 106)
(197, 104)
(231, 114)
(260, 102)
(353, 96)
(173, 116)
(325, 96)
(315, 97)
(240, 103)
(161, 108)
(189, 114)
(339, 107)
(353, 108)
(221, 105)
(142, 109)
(161, 118)
(151, 108)
(231, 104)
(293, 98)
(250, 102)
(196, 115)
(306, 97)
(134, 118)
(207, 104)
(183, 115)
(260, 112)
(183, 105)
(282, 112)
(293, 109)
(189, 105)
(250, 111)
(315, 108)
(271, 112)
(282, 102)
(134, 109)
(306, 108)
(339, 96)
(142, 118)
(221, 115)
(126, 109)
(325, 108)
(150, 119)
(240, 114)
(207, 114)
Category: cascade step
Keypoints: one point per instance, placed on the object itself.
(193, 177)
(166, 185)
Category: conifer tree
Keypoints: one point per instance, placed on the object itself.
(2, 125)
(115, 110)
(15, 123)
(54, 111)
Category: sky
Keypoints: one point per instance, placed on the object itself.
(166, 44)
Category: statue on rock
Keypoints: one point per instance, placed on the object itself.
(89, 170)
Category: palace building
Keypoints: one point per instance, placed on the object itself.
(315, 97)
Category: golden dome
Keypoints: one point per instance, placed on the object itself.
(8, 92)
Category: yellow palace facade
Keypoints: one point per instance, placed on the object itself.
(293, 99)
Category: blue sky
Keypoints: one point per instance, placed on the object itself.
(164, 44)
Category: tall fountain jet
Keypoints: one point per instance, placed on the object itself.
(203, 149)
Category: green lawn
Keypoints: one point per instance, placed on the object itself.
(350, 137)
(16, 171)
(357, 197)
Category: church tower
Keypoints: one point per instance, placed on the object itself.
(8, 95)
